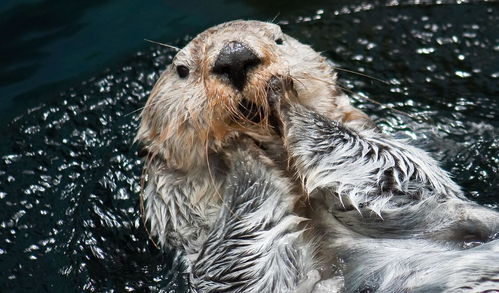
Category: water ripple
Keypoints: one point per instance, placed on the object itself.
(69, 175)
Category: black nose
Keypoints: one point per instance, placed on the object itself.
(234, 61)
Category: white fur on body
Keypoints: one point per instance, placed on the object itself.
(380, 204)
(387, 265)
(380, 186)
(256, 244)
(178, 206)
(410, 265)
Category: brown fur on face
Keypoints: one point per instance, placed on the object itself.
(185, 118)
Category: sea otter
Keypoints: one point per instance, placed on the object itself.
(259, 168)
(215, 89)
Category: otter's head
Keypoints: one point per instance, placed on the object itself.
(217, 85)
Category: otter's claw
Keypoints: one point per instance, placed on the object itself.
(274, 91)
(279, 88)
(279, 93)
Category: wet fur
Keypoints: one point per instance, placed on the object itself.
(256, 244)
(187, 123)
(380, 186)
(385, 208)
(376, 204)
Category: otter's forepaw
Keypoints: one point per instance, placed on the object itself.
(274, 92)
(280, 90)
(280, 93)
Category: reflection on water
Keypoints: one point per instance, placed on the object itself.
(69, 175)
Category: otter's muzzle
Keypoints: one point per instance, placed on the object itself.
(234, 61)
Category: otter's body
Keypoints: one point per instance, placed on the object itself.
(263, 173)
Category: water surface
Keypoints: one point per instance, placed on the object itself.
(69, 175)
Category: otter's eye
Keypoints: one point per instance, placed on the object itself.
(279, 41)
(182, 71)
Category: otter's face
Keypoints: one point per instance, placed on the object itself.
(217, 86)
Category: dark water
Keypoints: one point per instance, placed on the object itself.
(48, 44)
(69, 176)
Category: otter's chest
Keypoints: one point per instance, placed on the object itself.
(181, 210)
